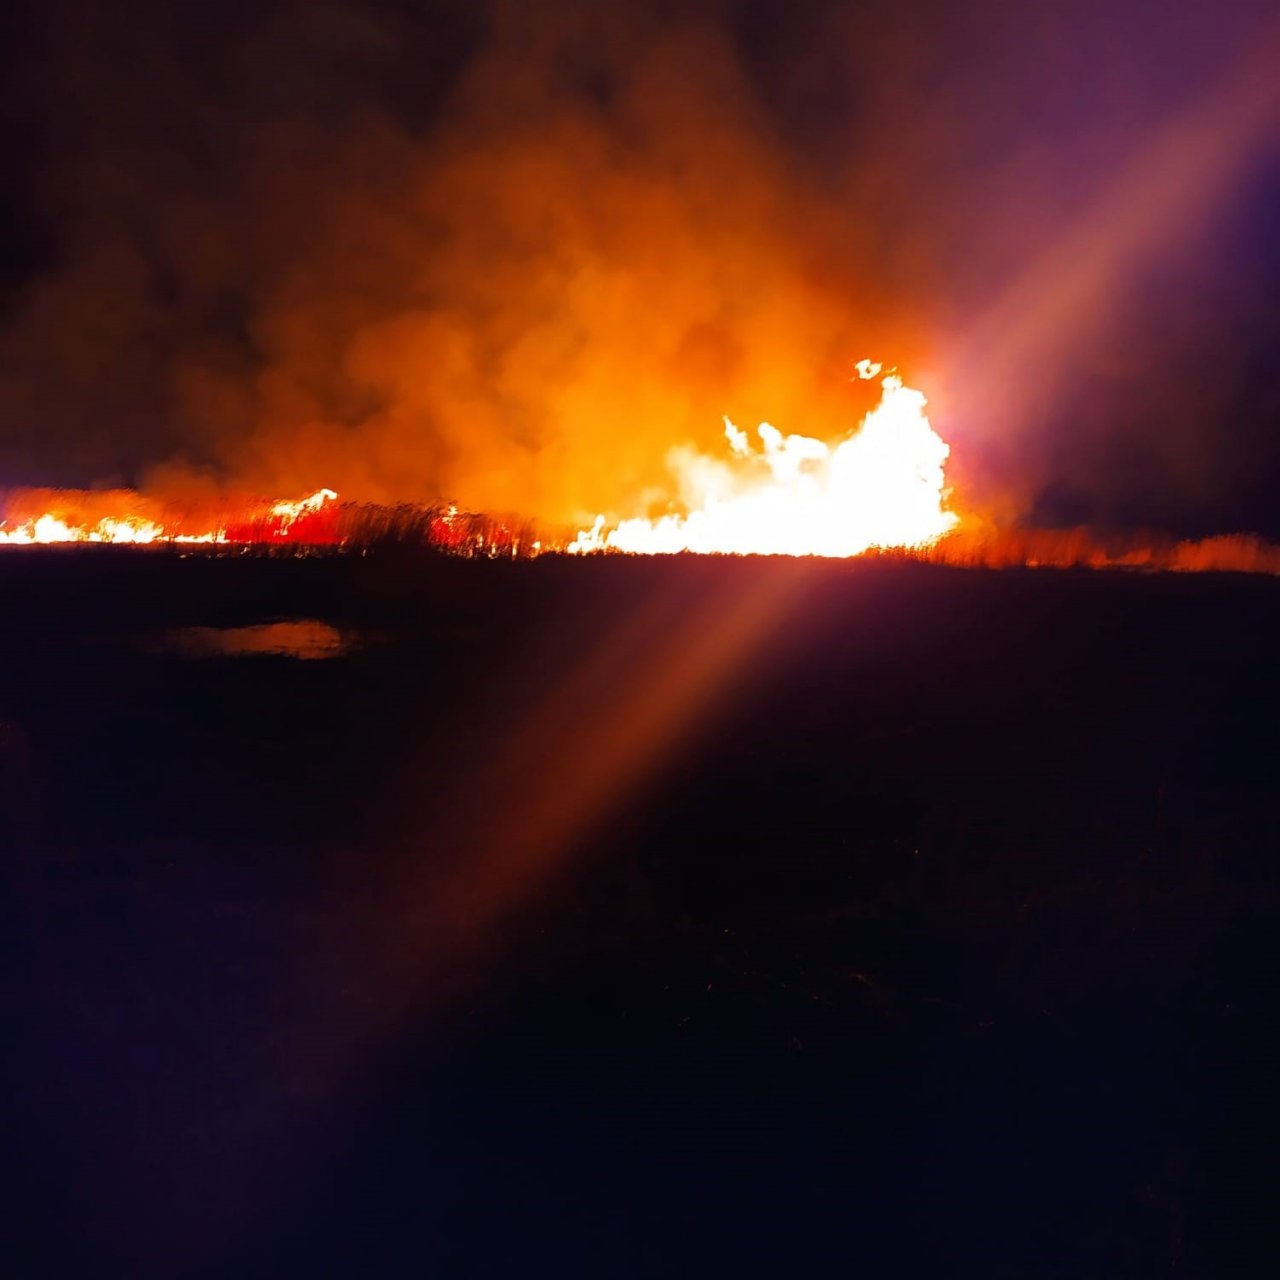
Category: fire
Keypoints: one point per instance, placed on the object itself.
(880, 491)
(288, 512)
(66, 521)
(881, 486)
(48, 529)
(51, 517)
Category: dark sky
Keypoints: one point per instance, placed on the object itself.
(514, 253)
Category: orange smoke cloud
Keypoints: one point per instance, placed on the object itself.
(556, 291)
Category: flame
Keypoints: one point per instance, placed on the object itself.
(50, 517)
(289, 512)
(48, 529)
(292, 520)
(883, 485)
(880, 491)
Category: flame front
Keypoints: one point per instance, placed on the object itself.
(884, 486)
(48, 529)
(294, 521)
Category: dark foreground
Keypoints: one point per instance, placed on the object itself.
(626, 918)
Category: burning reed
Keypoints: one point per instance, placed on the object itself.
(40, 517)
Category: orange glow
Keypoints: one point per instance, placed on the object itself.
(883, 485)
(71, 517)
(306, 639)
(289, 512)
(52, 517)
(48, 528)
(879, 492)
(976, 546)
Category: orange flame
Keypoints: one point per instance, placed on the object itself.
(70, 518)
(879, 491)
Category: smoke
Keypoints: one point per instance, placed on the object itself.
(513, 255)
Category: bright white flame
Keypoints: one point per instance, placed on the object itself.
(884, 485)
(290, 511)
(138, 531)
(49, 529)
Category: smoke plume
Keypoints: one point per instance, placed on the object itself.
(512, 255)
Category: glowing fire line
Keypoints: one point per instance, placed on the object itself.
(51, 528)
(882, 488)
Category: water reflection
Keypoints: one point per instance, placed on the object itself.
(307, 639)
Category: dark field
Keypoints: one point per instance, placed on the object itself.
(637, 918)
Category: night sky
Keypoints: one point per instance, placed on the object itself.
(512, 254)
